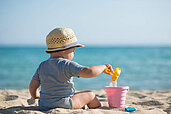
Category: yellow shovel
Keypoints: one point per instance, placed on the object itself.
(115, 74)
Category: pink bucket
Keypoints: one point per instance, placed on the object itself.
(116, 96)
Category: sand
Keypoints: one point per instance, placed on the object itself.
(146, 102)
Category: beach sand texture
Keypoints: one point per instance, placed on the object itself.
(146, 102)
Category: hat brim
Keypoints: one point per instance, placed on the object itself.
(64, 48)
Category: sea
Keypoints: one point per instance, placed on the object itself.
(142, 68)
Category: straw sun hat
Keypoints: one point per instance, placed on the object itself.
(61, 39)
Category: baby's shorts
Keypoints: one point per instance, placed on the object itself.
(65, 102)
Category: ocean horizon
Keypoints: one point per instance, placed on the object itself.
(143, 67)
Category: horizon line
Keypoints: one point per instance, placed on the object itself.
(87, 45)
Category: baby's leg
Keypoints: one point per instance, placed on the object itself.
(80, 99)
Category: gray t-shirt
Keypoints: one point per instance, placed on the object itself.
(56, 79)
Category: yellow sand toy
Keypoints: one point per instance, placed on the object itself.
(115, 74)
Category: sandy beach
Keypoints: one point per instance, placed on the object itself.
(146, 102)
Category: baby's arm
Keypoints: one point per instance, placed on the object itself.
(33, 88)
(89, 72)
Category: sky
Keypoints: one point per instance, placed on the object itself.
(95, 22)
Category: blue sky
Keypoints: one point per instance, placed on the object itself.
(95, 22)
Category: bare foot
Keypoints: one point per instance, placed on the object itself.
(104, 104)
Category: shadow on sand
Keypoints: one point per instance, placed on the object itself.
(18, 108)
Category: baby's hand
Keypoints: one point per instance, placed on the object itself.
(108, 69)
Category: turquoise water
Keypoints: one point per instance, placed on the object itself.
(143, 68)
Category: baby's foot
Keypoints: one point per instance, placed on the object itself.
(104, 104)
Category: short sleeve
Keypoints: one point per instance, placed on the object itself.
(73, 69)
(36, 75)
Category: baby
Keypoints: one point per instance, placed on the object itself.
(55, 75)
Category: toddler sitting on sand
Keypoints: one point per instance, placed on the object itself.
(55, 75)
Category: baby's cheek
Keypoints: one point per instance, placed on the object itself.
(71, 56)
